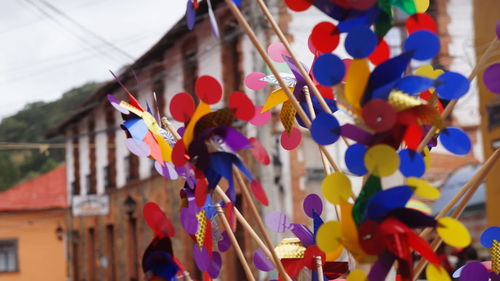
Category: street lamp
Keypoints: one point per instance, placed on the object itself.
(130, 205)
(59, 232)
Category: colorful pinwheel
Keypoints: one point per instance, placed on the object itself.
(484, 271)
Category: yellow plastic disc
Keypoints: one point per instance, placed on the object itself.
(421, 5)
(336, 188)
(423, 188)
(357, 275)
(427, 70)
(453, 232)
(332, 256)
(381, 160)
(434, 273)
(328, 236)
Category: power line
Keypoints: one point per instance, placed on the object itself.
(34, 21)
(81, 26)
(60, 62)
(63, 26)
(131, 39)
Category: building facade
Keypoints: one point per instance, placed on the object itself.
(33, 217)
(108, 247)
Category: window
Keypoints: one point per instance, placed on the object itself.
(105, 176)
(88, 184)
(232, 72)
(75, 257)
(190, 65)
(315, 174)
(110, 252)
(126, 166)
(133, 264)
(8, 256)
(91, 256)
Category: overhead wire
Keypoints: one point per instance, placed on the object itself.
(122, 40)
(60, 62)
(86, 29)
(10, 29)
(65, 28)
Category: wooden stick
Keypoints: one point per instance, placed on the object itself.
(222, 194)
(237, 248)
(470, 187)
(449, 108)
(301, 68)
(326, 167)
(260, 224)
(285, 42)
(325, 164)
(253, 38)
(319, 267)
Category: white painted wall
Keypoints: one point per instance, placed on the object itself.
(70, 168)
(83, 150)
(121, 153)
(101, 151)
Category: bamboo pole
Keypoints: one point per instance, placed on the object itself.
(253, 38)
(307, 95)
(449, 108)
(237, 248)
(260, 224)
(222, 194)
(319, 267)
(285, 42)
(325, 164)
(470, 187)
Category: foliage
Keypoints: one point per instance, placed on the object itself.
(29, 125)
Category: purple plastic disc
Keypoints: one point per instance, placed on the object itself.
(313, 203)
(188, 220)
(140, 149)
(474, 271)
(261, 262)
(277, 221)
(201, 257)
(215, 265)
(491, 77)
(224, 243)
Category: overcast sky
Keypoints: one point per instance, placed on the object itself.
(43, 53)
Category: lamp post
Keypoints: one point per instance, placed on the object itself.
(130, 205)
(59, 233)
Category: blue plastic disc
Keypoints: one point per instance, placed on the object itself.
(355, 159)
(411, 163)
(455, 140)
(328, 69)
(387, 200)
(490, 234)
(413, 85)
(325, 129)
(361, 42)
(425, 44)
(452, 85)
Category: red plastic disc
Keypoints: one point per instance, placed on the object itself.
(242, 106)
(422, 21)
(379, 115)
(298, 5)
(208, 89)
(370, 239)
(182, 107)
(325, 37)
(179, 154)
(382, 53)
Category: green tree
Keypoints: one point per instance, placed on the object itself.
(30, 125)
